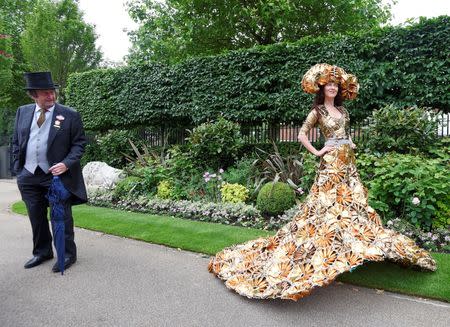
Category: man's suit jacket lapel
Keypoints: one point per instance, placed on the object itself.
(53, 130)
(27, 120)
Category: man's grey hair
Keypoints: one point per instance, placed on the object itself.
(33, 93)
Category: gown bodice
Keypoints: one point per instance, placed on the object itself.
(329, 126)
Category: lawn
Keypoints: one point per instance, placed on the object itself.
(208, 238)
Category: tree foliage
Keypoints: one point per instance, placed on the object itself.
(173, 30)
(57, 39)
(40, 35)
(12, 17)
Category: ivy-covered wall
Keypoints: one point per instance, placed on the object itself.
(395, 65)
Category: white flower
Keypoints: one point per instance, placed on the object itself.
(221, 170)
(60, 117)
(415, 200)
(213, 175)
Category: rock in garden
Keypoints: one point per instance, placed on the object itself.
(99, 176)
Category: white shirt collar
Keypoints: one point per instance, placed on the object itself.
(48, 110)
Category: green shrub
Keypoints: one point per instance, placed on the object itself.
(275, 167)
(442, 218)
(151, 176)
(411, 130)
(110, 147)
(441, 150)
(182, 172)
(164, 190)
(310, 164)
(216, 144)
(127, 186)
(404, 65)
(195, 189)
(366, 165)
(275, 198)
(296, 167)
(234, 193)
(241, 173)
(409, 187)
(284, 148)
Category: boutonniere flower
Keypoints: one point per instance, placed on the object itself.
(58, 121)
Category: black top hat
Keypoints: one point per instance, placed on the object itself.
(39, 81)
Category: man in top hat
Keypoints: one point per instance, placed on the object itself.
(48, 141)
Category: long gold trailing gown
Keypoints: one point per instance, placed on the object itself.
(334, 231)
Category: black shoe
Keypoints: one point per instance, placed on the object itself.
(36, 261)
(67, 263)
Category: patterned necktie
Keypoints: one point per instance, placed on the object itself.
(41, 118)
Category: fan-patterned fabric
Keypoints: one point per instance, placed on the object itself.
(334, 231)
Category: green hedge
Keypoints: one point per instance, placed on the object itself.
(395, 65)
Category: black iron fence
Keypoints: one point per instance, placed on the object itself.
(266, 132)
(256, 133)
(288, 132)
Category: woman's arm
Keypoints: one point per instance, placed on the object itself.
(304, 140)
(309, 123)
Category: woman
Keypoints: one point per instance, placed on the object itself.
(335, 230)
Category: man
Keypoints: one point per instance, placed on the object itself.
(48, 141)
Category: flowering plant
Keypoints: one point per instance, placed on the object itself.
(213, 182)
(435, 240)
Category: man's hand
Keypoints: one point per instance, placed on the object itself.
(58, 169)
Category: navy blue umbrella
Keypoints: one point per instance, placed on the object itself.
(57, 197)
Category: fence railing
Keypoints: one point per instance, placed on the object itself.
(256, 133)
(266, 132)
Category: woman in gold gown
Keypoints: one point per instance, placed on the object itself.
(335, 230)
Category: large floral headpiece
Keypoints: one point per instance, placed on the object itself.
(321, 74)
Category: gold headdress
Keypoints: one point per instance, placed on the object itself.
(321, 74)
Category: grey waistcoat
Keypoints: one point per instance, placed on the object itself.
(37, 144)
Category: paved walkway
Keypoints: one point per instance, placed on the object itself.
(122, 282)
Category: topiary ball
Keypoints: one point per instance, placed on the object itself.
(275, 198)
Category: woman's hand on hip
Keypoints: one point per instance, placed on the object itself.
(324, 150)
